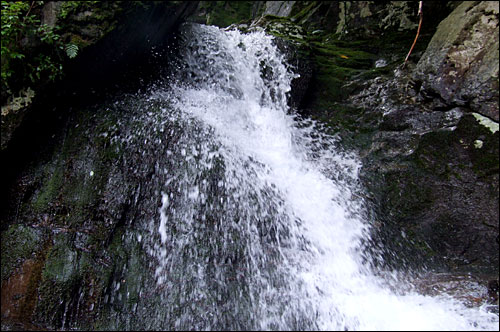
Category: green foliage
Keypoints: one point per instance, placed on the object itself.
(13, 25)
(71, 50)
(44, 67)
(32, 52)
(69, 7)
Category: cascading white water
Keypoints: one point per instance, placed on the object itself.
(260, 227)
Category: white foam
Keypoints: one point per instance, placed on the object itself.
(267, 155)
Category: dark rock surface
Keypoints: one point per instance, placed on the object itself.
(431, 160)
(72, 189)
(460, 64)
(83, 210)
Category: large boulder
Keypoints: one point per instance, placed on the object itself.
(430, 147)
(460, 64)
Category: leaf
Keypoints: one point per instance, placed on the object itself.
(71, 50)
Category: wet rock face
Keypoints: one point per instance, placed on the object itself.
(297, 56)
(278, 8)
(432, 159)
(72, 256)
(460, 64)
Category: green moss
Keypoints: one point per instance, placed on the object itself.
(127, 269)
(344, 120)
(87, 161)
(60, 280)
(344, 56)
(19, 242)
(406, 197)
(327, 85)
(71, 187)
(432, 152)
(50, 190)
(285, 29)
(335, 64)
(340, 116)
(225, 13)
(60, 265)
(79, 41)
(302, 9)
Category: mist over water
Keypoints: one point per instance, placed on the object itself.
(260, 223)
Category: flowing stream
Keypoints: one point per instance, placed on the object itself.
(260, 225)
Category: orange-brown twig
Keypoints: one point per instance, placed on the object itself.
(420, 13)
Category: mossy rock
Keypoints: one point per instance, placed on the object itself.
(483, 146)
(284, 28)
(50, 190)
(83, 23)
(354, 125)
(439, 149)
(335, 64)
(61, 263)
(444, 196)
(70, 186)
(59, 284)
(19, 242)
(76, 281)
(224, 13)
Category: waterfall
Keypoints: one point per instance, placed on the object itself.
(260, 226)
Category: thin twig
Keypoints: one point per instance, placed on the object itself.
(420, 13)
(32, 4)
